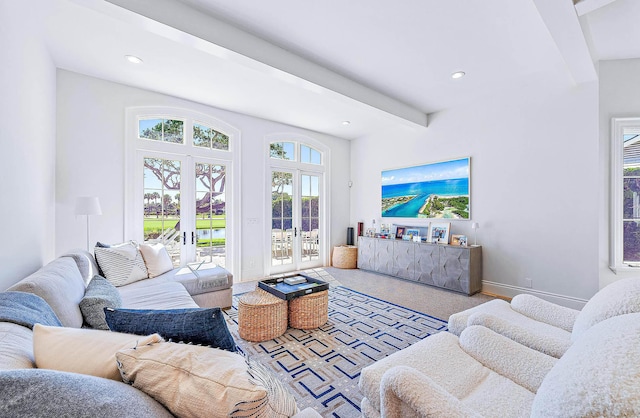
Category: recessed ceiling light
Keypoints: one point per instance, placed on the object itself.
(457, 74)
(346, 122)
(133, 59)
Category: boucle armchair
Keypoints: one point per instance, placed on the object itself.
(545, 326)
(484, 374)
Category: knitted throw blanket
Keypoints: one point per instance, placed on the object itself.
(26, 309)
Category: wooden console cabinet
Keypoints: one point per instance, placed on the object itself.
(447, 266)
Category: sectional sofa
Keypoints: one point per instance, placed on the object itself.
(61, 285)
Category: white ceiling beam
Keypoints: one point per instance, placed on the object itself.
(225, 39)
(561, 19)
(585, 6)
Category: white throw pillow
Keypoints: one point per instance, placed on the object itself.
(121, 264)
(197, 381)
(84, 351)
(156, 258)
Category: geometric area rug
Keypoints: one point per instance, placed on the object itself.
(322, 366)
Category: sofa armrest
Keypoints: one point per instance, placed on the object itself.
(544, 311)
(545, 338)
(459, 321)
(522, 365)
(405, 392)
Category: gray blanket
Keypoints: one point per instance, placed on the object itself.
(26, 309)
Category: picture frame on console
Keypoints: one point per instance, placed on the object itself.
(439, 232)
(400, 232)
(459, 240)
(411, 232)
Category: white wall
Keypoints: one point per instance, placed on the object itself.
(534, 153)
(619, 97)
(27, 141)
(90, 161)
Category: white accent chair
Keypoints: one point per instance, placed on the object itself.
(545, 326)
(484, 374)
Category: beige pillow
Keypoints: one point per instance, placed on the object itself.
(84, 351)
(196, 381)
(156, 258)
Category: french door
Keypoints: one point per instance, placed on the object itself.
(182, 203)
(295, 220)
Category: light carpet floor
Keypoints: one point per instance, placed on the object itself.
(322, 366)
(430, 300)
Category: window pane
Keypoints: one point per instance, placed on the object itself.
(309, 155)
(167, 130)
(210, 213)
(282, 150)
(631, 233)
(205, 136)
(173, 131)
(161, 188)
(315, 157)
(281, 217)
(631, 193)
(305, 154)
(150, 129)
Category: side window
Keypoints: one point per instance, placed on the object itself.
(309, 155)
(625, 193)
(283, 150)
(631, 199)
(207, 137)
(287, 151)
(164, 130)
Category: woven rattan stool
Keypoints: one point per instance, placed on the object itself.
(309, 311)
(261, 316)
(345, 257)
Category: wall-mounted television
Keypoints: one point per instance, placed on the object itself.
(439, 190)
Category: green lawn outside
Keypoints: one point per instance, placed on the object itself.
(154, 224)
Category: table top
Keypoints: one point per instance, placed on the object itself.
(285, 291)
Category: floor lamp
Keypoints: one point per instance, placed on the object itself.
(88, 205)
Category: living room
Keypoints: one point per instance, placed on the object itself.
(524, 128)
(539, 146)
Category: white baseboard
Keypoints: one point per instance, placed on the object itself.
(510, 291)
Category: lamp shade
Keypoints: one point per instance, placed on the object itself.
(475, 225)
(88, 205)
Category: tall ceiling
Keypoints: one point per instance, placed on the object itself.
(375, 63)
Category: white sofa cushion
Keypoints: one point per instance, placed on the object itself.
(598, 376)
(618, 298)
(157, 294)
(61, 285)
(441, 359)
(521, 364)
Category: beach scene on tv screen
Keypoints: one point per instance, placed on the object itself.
(438, 190)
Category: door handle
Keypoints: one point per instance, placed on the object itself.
(184, 238)
(295, 232)
(193, 237)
